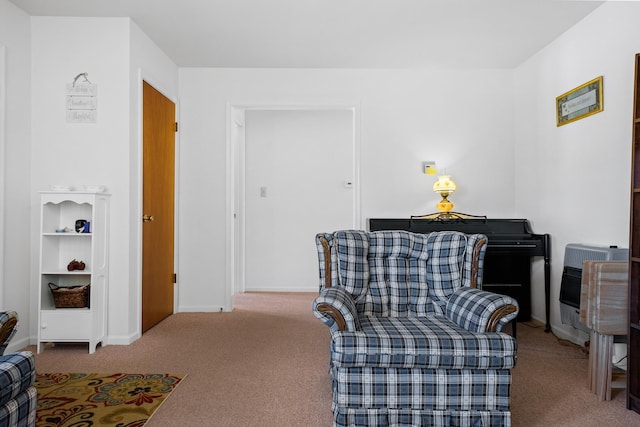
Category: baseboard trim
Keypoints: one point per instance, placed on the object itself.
(200, 309)
(121, 339)
(283, 290)
(567, 332)
(16, 345)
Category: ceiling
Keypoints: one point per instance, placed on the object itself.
(338, 33)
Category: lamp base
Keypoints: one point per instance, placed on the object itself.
(444, 205)
(446, 216)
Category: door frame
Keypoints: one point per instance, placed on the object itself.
(136, 220)
(3, 91)
(236, 174)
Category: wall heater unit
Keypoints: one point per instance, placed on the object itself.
(574, 255)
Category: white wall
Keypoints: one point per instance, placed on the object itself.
(573, 181)
(115, 54)
(14, 164)
(81, 154)
(463, 120)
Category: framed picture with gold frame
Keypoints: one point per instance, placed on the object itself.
(578, 103)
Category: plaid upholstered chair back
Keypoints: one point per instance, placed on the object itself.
(398, 273)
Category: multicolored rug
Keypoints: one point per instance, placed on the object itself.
(123, 400)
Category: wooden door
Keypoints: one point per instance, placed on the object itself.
(159, 127)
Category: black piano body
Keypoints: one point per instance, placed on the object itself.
(510, 249)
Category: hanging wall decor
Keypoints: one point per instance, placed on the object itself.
(82, 100)
(578, 103)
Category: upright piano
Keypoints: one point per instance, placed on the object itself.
(510, 249)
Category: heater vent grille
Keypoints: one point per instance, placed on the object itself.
(575, 254)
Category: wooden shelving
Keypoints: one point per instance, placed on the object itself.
(633, 349)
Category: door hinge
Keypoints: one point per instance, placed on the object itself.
(176, 126)
(175, 278)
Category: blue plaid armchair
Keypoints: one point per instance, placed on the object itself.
(414, 340)
(18, 396)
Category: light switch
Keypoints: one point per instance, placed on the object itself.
(263, 191)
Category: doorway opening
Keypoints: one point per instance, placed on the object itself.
(293, 172)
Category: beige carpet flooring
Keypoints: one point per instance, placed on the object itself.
(265, 364)
(549, 385)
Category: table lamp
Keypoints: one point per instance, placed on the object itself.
(445, 187)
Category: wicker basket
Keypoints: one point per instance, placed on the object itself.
(70, 296)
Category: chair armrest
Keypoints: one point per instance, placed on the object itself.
(8, 328)
(17, 374)
(336, 308)
(481, 311)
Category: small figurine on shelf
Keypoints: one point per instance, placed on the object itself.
(80, 225)
(76, 265)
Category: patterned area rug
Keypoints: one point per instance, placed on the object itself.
(123, 400)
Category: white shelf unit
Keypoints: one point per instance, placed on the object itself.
(57, 249)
